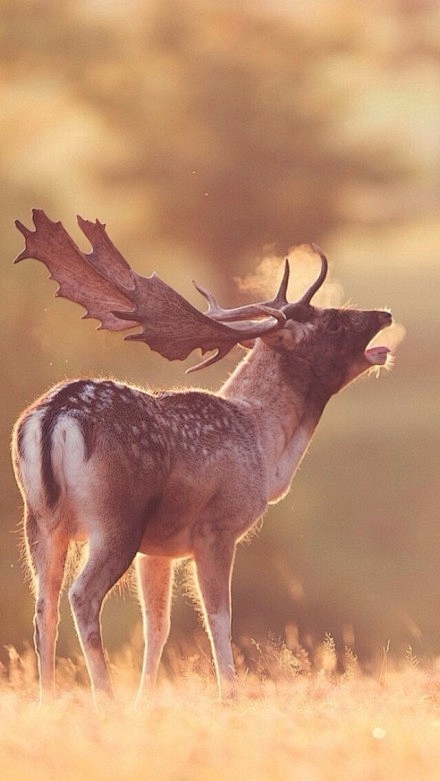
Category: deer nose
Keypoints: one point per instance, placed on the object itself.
(385, 318)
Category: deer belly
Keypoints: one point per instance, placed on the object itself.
(169, 520)
(177, 546)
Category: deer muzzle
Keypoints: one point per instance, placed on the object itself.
(377, 355)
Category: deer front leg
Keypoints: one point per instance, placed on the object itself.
(155, 578)
(214, 557)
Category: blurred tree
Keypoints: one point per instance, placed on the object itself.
(228, 132)
(227, 138)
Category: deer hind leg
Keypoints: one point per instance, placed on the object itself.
(110, 555)
(155, 580)
(214, 559)
(46, 552)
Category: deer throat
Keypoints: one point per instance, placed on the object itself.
(283, 470)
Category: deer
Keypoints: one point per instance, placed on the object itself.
(154, 477)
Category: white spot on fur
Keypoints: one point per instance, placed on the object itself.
(88, 393)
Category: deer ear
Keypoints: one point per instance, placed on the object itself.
(288, 338)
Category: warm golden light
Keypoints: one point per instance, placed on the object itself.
(215, 140)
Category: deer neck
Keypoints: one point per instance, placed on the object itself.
(280, 393)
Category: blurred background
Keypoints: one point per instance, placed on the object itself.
(208, 136)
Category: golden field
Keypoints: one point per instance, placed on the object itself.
(297, 724)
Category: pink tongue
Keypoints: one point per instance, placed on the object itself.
(377, 355)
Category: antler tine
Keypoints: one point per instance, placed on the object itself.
(247, 312)
(218, 355)
(280, 299)
(212, 301)
(308, 295)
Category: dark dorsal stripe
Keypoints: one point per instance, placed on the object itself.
(57, 405)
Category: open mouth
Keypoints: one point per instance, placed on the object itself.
(377, 355)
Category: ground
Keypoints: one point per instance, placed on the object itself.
(314, 724)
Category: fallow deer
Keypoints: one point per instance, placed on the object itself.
(157, 477)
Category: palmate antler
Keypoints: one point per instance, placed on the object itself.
(110, 291)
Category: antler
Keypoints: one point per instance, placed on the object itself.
(308, 295)
(265, 308)
(110, 291)
(299, 310)
(89, 280)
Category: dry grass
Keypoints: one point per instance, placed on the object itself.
(294, 719)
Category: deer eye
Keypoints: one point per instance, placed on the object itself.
(334, 325)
